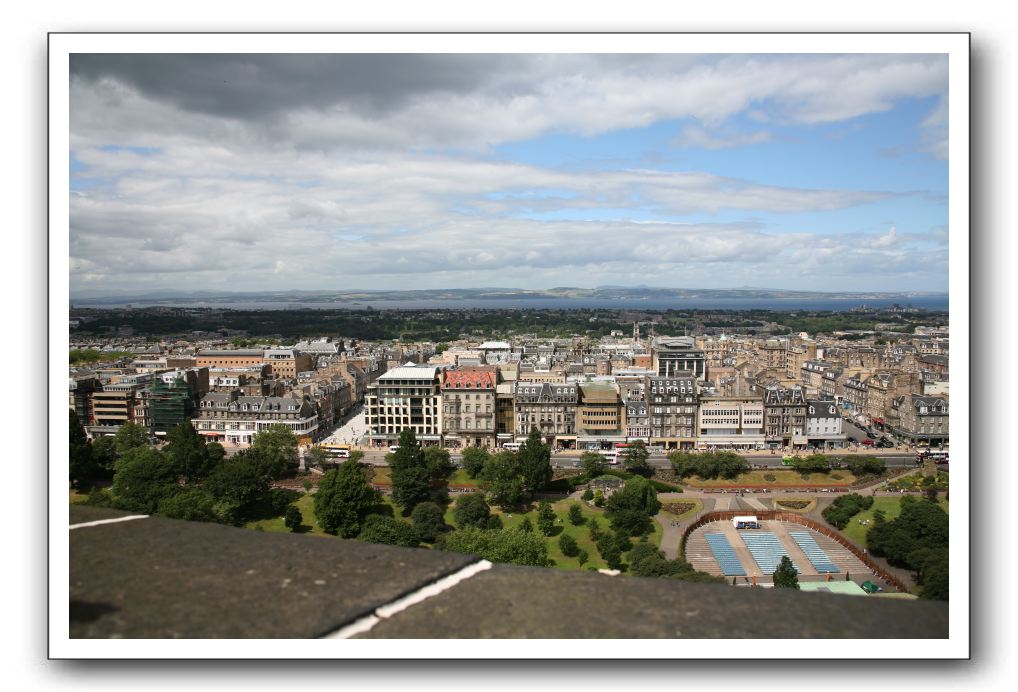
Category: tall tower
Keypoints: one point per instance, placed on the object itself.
(636, 331)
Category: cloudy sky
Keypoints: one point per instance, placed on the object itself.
(255, 172)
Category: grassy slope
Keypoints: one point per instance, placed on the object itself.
(561, 509)
(892, 508)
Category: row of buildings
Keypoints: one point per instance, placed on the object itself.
(676, 392)
(229, 394)
(488, 406)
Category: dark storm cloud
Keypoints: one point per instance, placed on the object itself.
(257, 86)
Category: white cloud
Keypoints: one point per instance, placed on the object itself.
(317, 192)
(694, 137)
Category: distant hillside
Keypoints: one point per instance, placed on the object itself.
(517, 294)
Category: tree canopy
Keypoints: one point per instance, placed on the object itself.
(594, 464)
(130, 436)
(429, 520)
(474, 459)
(193, 458)
(785, 575)
(503, 479)
(916, 539)
(389, 531)
(471, 510)
(634, 458)
(534, 459)
(418, 475)
(708, 464)
(277, 445)
(143, 477)
(630, 508)
(343, 499)
(504, 545)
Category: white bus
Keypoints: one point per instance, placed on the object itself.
(610, 455)
(512, 446)
(335, 451)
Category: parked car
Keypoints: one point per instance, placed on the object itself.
(868, 443)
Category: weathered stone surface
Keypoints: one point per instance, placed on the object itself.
(83, 513)
(519, 602)
(162, 578)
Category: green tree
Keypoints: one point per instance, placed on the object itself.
(293, 518)
(609, 551)
(439, 465)
(647, 561)
(277, 445)
(568, 545)
(507, 546)
(708, 464)
(143, 477)
(189, 504)
(189, 453)
(241, 480)
(130, 436)
(934, 572)
(503, 479)
(785, 576)
(411, 477)
(844, 507)
(588, 495)
(594, 464)
(582, 557)
(471, 510)
(474, 459)
(865, 465)
(319, 457)
(388, 531)
(82, 465)
(594, 528)
(814, 463)
(545, 518)
(634, 459)
(630, 507)
(575, 514)
(534, 459)
(104, 456)
(526, 526)
(343, 499)
(429, 520)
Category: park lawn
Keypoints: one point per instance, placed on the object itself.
(580, 533)
(77, 498)
(461, 477)
(782, 477)
(381, 475)
(856, 531)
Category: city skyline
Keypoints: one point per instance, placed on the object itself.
(275, 172)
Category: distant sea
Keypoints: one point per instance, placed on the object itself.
(927, 302)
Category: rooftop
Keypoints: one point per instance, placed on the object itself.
(163, 578)
(411, 372)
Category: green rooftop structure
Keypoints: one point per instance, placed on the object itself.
(171, 404)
